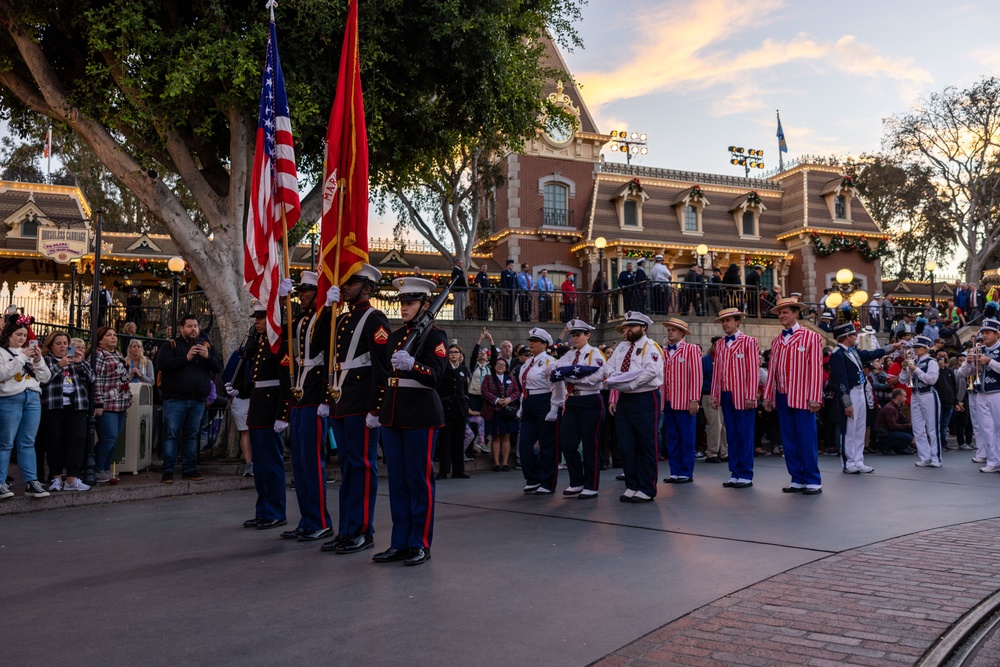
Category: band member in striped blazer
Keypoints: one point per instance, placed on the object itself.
(734, 389)
(795, 387)
(582, 412)
(682, 376)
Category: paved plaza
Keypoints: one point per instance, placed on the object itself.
(872, 571)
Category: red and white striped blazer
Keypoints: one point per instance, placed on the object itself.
(796, 366)
(682, 376)
(736, 368)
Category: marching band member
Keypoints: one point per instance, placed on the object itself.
(682, 379)
(362, 368)
(267, 417)
(411, 415)
(635, 370)
(540, 402)
(582, 411)
(312, 334)
(971, 368)
(925, 406)
(795, 387)
(848, 379)
(735, 380)
(989, 395)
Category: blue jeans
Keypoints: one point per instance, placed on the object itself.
(945, 423)
(181, 423)
(19, 418)
(109, 427)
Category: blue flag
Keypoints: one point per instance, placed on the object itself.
(782, 146)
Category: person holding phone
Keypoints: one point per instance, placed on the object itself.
(112, 397)
(65, 404)
(140, 368)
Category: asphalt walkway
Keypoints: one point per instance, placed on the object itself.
(872, 571)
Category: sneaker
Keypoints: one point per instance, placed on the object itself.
(989, 468)
(167, 477)
(935, 464)
(966, 448)
(102, 476)
(56, 485)
(76, 485)
(851, 470)
(193, 475)
(979, 459)
(701, 455)
(863, 468)
(921, 464)
(35, 490)
(5, 491)
(248, 470)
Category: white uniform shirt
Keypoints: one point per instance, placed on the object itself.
(534, 377)
(645, 368)
(589, 356)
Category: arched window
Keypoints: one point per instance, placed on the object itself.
(556, 205)
(29, 226)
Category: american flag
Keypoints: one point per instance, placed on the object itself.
(274, 195)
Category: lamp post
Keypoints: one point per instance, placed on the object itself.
(702, 250)
(95, 310)
(313, 235)
(72, 292)
(176, 265)
(844, 289)
(630, 144)
(748, 159)
(600, 243)
(930, 267)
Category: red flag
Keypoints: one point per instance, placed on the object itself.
(274, 191)
(345, 228)
(47, 151)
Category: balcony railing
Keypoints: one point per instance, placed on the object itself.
(690, 176)
(557, 217)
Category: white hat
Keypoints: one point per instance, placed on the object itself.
(367, 271)
(659, 258)
(308, 280)
(575, 326)
(642, 260)
(256, 307)
(990, 325)
(868, 330)
(540, 334)
(412, 288)
(877, 295)
(922, 341)
(634, 317)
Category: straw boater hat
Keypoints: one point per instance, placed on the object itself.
(677, 323)
(787, 302)
(412, 288)
(730, 312)
(636, 318)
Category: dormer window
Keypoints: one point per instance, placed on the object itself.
(29, 226)
(840, 207)
(689, 207)
(628, 203)
(746, 212)
(749, 223)
(838, 194)
(631, 210)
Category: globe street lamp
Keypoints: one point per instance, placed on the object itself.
(844, 289)
(176, 265)
(930, 267)
(702, 250)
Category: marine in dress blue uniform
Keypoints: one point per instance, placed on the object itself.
(539, 413)
(582, 411)
(267, 417)
(362, 335)
(312, 335)
(411, 415)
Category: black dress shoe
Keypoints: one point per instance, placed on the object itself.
(350, 545)
(292, 534)
(391, 555)
(441, 475)
(251, 523)
(460, 475)
(729, 485)
(713, 459)
(418, 556)
(811, 492)
(723, 458)
(620, 477)
(333, 544)
(264, 524)
(793, 489)
(742, 485)
(313, 535)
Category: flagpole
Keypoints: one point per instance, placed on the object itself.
(781, 161)
(333, 387)
(286, 262)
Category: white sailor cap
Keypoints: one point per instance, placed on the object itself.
(308, 280)
(990, 325)
(412, 288)
(256, 308)
(540, 334)
(578, 326)
(635, 317)
(922, 341)
(366, 271)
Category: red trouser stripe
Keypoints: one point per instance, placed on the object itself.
(321, 482)
(429, 520)
(366, 522)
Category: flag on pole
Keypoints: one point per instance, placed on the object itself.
(344, 228)
(274, 192)
(47, 151)
(782, 146)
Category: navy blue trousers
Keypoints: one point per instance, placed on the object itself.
(739, 436)
(581, 421)
(800, 442)
(541, 465)
(307, 467)
(636, 418)
(268, 473)
(409, 459)
(357, 451)
(679, 432)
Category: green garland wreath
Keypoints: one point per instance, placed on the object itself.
(842, 243)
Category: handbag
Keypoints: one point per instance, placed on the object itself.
(507, 411)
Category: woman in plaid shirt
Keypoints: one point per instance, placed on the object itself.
(112, 397)
(63, 431)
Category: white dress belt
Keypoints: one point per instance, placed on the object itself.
(266, 383)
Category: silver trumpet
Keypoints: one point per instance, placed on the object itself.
(976, 379)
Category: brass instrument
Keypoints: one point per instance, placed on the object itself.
(975, 382)
(909, 357)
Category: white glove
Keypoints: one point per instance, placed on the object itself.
(279, 426)
(623, 379)
(233, 393)
(333, 295)
(371, 421)
(552, 415)
(519, 412)
(323, 410)
(402, 361)
(285, 287)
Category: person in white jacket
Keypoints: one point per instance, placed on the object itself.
(22, 369)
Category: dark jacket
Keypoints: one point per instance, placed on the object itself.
(360, 386)
(891, 419)
(454, 392)
(269, 403)
(415, 407)
(183, 379)
(947, 388)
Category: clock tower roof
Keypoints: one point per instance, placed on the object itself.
(565, 85)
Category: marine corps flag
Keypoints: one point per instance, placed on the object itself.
(344, 231)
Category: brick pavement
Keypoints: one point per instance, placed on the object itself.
(882, 604)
